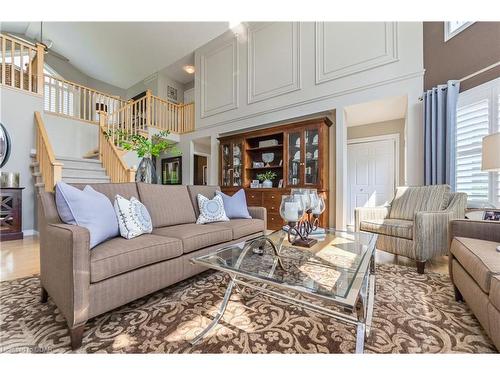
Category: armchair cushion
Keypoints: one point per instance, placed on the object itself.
(412, 199)
(389, 227)
(478, 257)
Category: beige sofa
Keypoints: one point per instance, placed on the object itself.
(475, 271)
(85, 283)
(415, 224)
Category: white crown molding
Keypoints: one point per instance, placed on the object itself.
(318, 99)
(391, 55)
(233, 104)
(295, 80)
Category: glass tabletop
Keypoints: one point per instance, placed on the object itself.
(333, 268)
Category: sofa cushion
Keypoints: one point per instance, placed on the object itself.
(206, 191)
(389, 227)
(133, 217)
(235, 205)
(242, 227)
(412, 199)
(195, 236)
(495, 291)
(478, 257)
(126, 189)
(89, 209)
(119, 255)
(167, 205)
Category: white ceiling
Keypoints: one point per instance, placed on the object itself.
(377, 111)
(123, 53)
(176, 72)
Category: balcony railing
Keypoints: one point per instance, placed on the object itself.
(21, 65)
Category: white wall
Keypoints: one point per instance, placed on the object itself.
(278, 71)
(17, 115)
(70, 137)
(70, 73)
(157, 83)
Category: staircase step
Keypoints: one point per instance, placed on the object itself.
(39, 184)
(70, 162)
(34, 164)
(83, 173)
(84, 180)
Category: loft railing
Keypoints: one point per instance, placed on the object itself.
(150, 111)
(73, 100)
(50, 168)
(21, 65)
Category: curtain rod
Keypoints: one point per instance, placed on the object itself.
(489, 67)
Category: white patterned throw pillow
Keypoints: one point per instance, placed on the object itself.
(133, 217)
(211, 210)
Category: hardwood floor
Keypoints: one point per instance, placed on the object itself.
(20, 258)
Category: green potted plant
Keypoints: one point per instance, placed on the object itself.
(267, 178)
(145, 148)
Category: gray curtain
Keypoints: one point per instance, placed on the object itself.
(440, 118)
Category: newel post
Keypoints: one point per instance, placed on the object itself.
(149, 95)
(39, 61)
(103, 120)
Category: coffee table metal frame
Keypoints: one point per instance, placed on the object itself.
(357, 304)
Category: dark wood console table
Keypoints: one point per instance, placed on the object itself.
(11, 217)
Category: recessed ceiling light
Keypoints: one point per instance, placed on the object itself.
(189, 69)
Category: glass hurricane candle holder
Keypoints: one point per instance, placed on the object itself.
(292, 211)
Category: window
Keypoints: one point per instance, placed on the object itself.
(59, 97)
(478, 114)
(452, 28)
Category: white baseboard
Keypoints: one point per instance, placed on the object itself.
(30, 232)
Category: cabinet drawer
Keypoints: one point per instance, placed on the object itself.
(254, 198)
(274, 221)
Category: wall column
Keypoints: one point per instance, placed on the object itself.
(341, 193)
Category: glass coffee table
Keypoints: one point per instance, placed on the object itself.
(335, 277)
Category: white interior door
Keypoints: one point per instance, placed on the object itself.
(371, 174)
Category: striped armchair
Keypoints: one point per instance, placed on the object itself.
(416, 222)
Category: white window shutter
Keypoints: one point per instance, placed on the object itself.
(472, 126)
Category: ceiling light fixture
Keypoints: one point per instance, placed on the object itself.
(189, 69)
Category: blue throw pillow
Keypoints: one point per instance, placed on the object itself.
(89, 209)
(236, 205)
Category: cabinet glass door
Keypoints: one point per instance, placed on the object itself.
(226, 165)
(237, 163)
(311, 170)
(294, 159)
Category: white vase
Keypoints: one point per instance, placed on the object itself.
(267, 184)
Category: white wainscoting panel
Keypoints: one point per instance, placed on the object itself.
(219, 78)
(273, 59)
(345, 48)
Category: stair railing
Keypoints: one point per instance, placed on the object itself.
(115, 166)
(50, 168)
(70, 99)
(21, 64)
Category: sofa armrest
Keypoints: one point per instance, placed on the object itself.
(258, 213)
(65, 269)
(479, 229)
(369, 213)
(430, 234)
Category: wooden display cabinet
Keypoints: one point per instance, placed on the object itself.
(299, 158)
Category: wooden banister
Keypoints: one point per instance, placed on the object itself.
(111, 160)
(50, 168)
(73, 100)
(21, 64)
